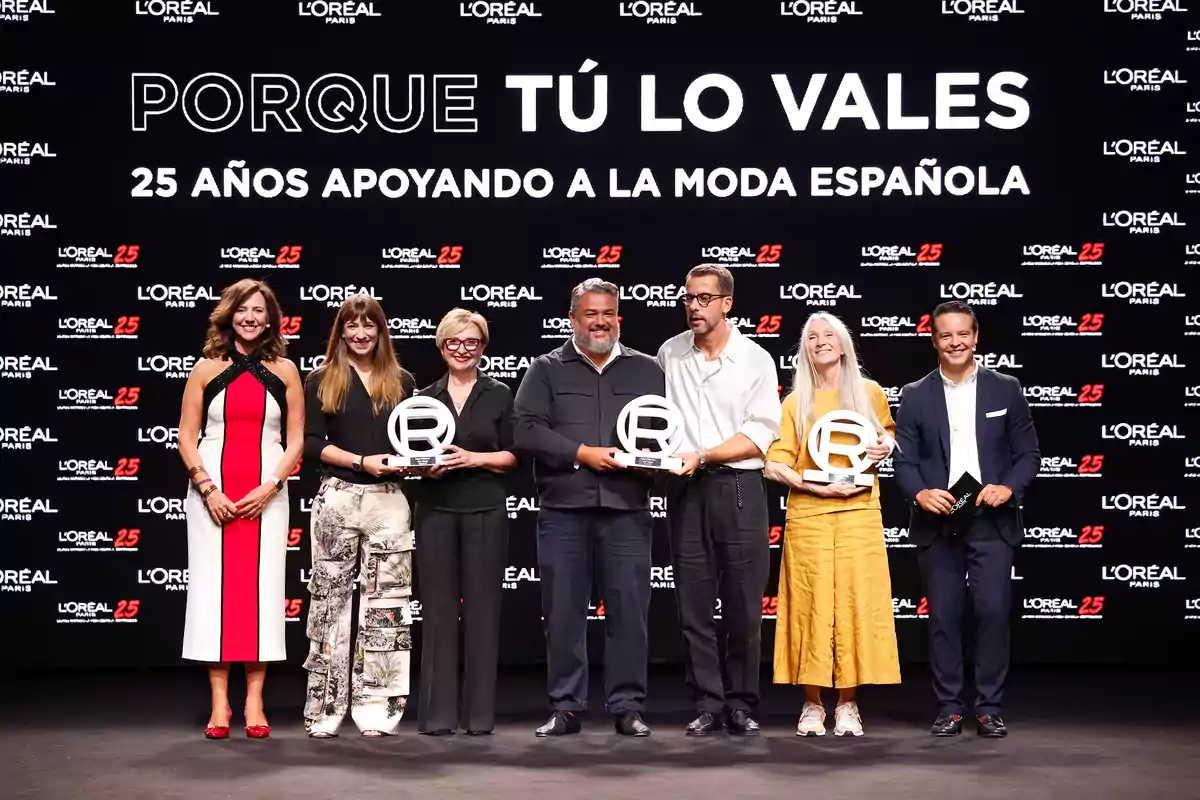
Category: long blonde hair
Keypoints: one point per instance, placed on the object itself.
(852, 385)
(384, 385)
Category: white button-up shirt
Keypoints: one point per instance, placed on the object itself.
(612, 356)
(738, 392)
(960, 407)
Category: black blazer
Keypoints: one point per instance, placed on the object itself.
(1007, 441)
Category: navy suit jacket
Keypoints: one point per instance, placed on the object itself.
(1007, 441)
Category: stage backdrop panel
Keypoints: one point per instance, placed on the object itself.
(868, 158)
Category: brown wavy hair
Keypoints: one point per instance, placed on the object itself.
(385, 385)
(219, 340)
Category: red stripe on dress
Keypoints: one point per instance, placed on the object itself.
(241, 470)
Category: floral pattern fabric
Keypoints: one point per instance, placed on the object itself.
(363, 534)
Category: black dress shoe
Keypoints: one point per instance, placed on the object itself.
(630, 723)
(741, 724)
(704, 725)
(438, 732)
(992, 727)
(560, 724)
(947, 725)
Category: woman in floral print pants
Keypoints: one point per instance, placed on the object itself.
(349, 518)
(361, 531)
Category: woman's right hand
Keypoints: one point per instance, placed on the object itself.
(220, 507)
(374, 466)
(834, 489)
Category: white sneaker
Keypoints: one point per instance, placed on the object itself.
(812, 720)
(847, 721)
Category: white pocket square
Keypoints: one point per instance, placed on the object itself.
(999, 413)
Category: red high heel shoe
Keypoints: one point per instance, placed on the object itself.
(218, 731)
(257, 731)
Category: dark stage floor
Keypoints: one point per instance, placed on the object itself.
(1079, 732)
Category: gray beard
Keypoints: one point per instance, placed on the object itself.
(598, 348)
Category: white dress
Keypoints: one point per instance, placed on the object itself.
(235, 603)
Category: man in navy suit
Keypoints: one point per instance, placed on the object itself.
(964, 419)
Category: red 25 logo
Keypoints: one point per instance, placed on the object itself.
(1091, 323)
(127, 254)
(128, 537)
(1091, 534)
(127, 396)
(1092, 251)
(769, 323)
(127, 609)
(290, 326)
(127, 467)
(768, 254)
(127, 326)
(929, 253)
(1091, 606)
(289, 254)
(1091, 393)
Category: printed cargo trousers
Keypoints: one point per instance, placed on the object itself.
(352, 524)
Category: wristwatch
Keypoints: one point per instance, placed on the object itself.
(702, 462)
(357, 465)
(278, 483)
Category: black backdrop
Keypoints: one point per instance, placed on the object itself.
(1080, 259)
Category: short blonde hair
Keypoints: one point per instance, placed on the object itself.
(456, 319)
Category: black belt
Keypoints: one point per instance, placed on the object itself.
(725, 469)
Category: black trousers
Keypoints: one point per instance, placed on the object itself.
(977, 556)
(720, 549)
(460, 555)
(573, 545)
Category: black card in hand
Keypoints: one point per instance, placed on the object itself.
(966, 491)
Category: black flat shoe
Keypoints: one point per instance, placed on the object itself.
(438, 732)
(704, 725)
(947, 725)
(630, 724)
(560, 723)
(992, 727)
(740, 723)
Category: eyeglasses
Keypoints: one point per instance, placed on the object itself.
(702, 299)
(469, 345)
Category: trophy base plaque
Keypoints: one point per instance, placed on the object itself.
(822, 476)
(413, 461)
(646, 461)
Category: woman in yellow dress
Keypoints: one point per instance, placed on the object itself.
(834, 625)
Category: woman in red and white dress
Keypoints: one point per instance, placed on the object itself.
(241, 433)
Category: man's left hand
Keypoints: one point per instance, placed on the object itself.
(993, 495)
(690, 462)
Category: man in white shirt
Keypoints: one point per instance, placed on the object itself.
(964, 419)
(727, 391)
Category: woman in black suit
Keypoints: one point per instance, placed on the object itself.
(462, 524)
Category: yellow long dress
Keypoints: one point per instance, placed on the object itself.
(834, 622)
